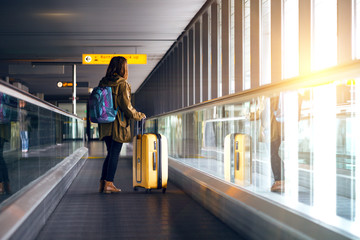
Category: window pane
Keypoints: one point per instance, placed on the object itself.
(265, 43)
(232, 46)
(290, 48)
(219, 52)
(357, 28)
(324, 39)
(209, 60)
(247, 81)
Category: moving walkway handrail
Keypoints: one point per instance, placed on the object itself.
(23, 95)
(313, 79)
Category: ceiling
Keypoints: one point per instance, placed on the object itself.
(37, 34)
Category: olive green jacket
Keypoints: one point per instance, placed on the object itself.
(119, 130)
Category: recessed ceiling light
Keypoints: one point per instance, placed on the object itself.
(55, 14)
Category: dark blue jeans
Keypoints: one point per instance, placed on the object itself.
(277, 164)
(111, 160)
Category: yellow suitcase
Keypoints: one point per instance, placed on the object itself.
(237, 159)
(150, 162)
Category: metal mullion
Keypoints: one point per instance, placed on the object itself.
(171, 82)
(176, 80)
(225, 49)
(304, 36)
(238, 38)
(276, 40)
(205, 57)
(163, 85)
(197, 51)
(158, 90)
(180, 77)
(186, 71)
(168, 82)
(214, 51)
(191, 66)
(255, 43)
(344, 29)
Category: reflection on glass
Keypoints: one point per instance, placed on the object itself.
(297, 146)
(32, 140)
(324, 149)
(246, 39)
(324, 48)
(290, 48)
(355, 149)
(8, 113)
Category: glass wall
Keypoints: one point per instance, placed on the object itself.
(305, 136)
(34, 137)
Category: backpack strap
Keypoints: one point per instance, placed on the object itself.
(115, 96)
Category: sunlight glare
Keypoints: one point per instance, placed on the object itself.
(324, 37)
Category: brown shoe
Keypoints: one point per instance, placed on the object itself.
(278, 186)
(110, 188)
(2, 189)
(102, 185)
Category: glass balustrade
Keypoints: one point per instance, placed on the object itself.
(34, 137)
(304, 131)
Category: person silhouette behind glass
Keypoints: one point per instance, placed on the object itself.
(8, 113)
(272, 124)
(271, 129)
(276, 130)
(4, 176)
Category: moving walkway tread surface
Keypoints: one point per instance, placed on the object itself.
(83, 213)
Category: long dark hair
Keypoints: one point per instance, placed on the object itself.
(118, 65)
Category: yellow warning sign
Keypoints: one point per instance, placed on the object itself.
(105, 58)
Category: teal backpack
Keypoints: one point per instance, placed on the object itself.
(101, 105)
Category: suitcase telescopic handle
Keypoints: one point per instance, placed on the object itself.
(141, 125)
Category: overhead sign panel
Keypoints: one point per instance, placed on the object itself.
(70, 84)
(105, 58)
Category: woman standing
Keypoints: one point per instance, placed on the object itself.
(118, 132)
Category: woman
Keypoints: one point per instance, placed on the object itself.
(118, 132)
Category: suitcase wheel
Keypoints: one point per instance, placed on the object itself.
(135, 188)
(163, 190)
